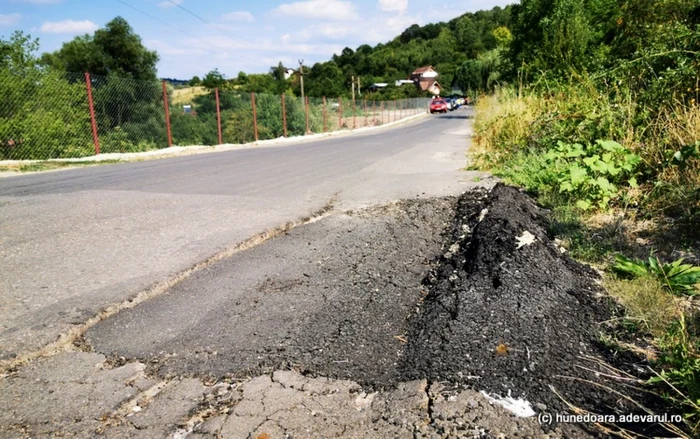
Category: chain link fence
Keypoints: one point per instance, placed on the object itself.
(48, 114)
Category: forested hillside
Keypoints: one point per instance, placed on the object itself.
(452, 48)
(445, 46)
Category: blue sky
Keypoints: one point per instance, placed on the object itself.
(239, 35)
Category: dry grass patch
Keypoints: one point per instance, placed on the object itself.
(183, 96)
(647, 303)
(503, 121)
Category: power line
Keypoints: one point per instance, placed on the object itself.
(168, 24)
(233, 37)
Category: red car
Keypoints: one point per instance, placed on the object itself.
(438, 106)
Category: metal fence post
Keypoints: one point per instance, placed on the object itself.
(381, 112)
(374, 112)
(167, 114)
(218, 116)
(255, 116)
(325, 116)
(95, 137)
(284, 117)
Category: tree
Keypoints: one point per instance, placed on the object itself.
(18, 52)
(479, 75)
(214, 79)
(566, 36)
(503, 36)
(42, 115)
(195, 81)
(115, 49)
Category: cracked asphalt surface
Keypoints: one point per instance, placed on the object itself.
(76, 241)
(330, 297)
(305, 335)
(383, 317)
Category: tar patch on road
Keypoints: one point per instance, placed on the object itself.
(469, 292)
(330, 298)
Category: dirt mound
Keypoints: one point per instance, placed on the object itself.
(507, 312)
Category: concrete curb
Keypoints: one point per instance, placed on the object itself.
(177, 151)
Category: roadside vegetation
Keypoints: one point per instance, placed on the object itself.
(596, 114)
(50, 165)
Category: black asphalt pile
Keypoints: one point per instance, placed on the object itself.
(507, 312)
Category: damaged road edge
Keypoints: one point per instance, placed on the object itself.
(70, 337)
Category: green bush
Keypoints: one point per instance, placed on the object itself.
(592, 174)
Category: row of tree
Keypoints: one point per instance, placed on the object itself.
(451, 48)
(650, 46)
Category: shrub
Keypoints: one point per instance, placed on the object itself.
(591, 174)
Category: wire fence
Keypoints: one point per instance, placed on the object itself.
(48, 114)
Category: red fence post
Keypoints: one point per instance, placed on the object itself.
(381, 112)
(306, 104)
(218, 116)
(95, 137)
(284, 117)
(325, 116)
(255, 116)
(340, 114)
(374, 112)
(167, 114)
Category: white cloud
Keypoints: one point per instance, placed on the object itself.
(68, 27)
(319, 10)
(239, 16)
(168, 4)
(393, 5)
(379, 28)
(9, 19)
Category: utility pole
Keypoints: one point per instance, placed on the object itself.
(353, 88)
(301, 75)
(359, 89)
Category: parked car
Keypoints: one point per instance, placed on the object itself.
(438, 106)
(456, 102)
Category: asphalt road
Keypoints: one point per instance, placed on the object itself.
(76, 241)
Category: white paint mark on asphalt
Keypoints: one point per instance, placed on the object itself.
(519, 407)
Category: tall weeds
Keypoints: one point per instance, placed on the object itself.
(515, 133)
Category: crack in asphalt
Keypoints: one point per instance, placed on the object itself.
(74, 335)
